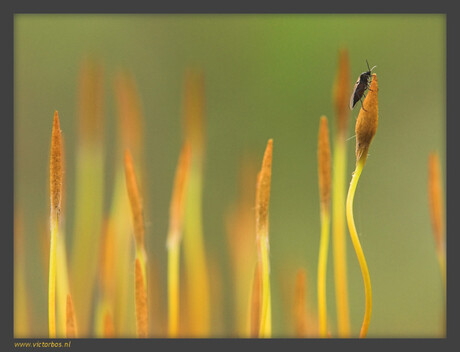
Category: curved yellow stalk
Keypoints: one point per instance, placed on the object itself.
(365, 129)
(357, 245)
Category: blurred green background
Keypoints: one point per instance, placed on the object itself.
(266, 76)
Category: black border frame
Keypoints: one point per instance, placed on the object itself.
(7, 146)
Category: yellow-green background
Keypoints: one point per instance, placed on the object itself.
(266, 76)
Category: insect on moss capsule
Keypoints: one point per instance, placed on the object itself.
(361, 85)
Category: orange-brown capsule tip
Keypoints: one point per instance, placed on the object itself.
(135, 200)
(56, 169)
(263, 190)
(367, 122)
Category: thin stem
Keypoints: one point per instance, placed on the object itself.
(52, 280)
(338, 236)
(265, 320)
(322, 270)
(357, 245)
(198, 323)
(140, 289)
(173, 289)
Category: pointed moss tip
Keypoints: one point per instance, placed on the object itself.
(268, 155)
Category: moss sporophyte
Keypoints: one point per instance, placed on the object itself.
(365, 129)
(324, 179)
(56, 176)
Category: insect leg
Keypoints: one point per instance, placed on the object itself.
(369, 86)
(362, 106)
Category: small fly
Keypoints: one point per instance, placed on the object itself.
(361, 85)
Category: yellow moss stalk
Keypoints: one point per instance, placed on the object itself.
(56, 175)
(136, 210)
(300, 304)
(141, 256)
(436, 204)
(71, 323)
(176, 218)
(89, 187)
(62, 279)
(141, 301)
(130, 136)
(324, 178)
(43, 230)
(157, 310)
(62, 282)
(196, 272)
(342, 111)
(255, 302)
(365, 129)
(109, 329)
(262, 204)
(240, 231)
(106, 277)
(217, 296)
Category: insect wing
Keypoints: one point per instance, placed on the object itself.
(354, 97)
